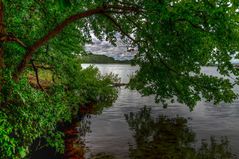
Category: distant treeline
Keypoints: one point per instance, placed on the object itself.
(101, 59)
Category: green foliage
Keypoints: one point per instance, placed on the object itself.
(32, 114)
(55, 139)
(82, 85)
(174, 39)
(178, 37)
(8, 144)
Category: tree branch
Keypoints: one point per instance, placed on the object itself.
(11, 38)
(192, 24)
(39, 66)
(15, 39)
(30, 50)
(36, 73)
(118, 26)
(2, 32)
(134, 9)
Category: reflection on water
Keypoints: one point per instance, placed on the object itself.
(170, 138)
(111, 133)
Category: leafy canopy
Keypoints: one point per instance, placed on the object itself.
(174, 39)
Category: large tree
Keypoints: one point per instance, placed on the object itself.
(174, 38)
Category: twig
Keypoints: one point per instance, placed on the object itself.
(118, 26)
(36, 73)
(11, 38)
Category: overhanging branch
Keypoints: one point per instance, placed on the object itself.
(32, 49)
(118, 26)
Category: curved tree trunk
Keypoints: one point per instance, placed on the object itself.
(2, 35)
(30, 50)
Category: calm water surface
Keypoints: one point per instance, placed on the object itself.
(110, 132)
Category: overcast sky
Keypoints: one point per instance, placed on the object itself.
(120, 52)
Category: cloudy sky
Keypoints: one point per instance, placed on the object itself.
(120, 52)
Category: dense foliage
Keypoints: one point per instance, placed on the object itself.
(53, 86)
(174, 38)
(180, 37)
(31, 114)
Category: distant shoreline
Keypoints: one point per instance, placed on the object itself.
(109, 63)
(101, 59)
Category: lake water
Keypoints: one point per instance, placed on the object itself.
(110, 132)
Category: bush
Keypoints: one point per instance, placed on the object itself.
(30, 114)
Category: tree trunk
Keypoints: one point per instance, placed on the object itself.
(51, 34)
(32, 49)
(2, 34)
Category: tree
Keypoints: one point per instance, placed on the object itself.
(174, 39)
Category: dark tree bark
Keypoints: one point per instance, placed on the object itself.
(33, 48)
(2, 34)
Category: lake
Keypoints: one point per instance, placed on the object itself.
(110, 132)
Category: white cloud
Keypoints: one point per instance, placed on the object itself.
(119, 52)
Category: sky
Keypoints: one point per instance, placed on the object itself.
(120, 52)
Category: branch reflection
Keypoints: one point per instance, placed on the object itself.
(171, 138)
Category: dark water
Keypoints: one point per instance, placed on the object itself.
(110, 132)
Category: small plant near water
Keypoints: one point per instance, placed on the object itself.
(32, 113)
